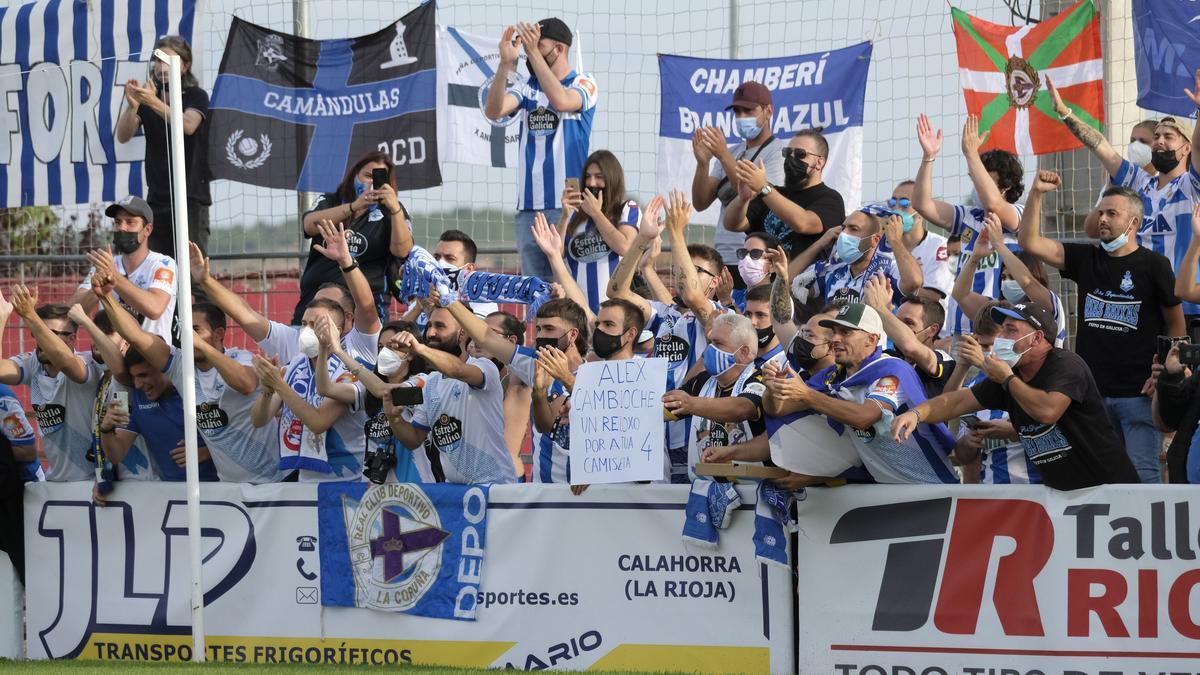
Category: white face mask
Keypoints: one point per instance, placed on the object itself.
(309, 345)
(389, 362)
(1138, 154)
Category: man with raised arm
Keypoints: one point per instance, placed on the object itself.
(1126, 300)
(1049, 395)
(1167, 197)
(997, 176)
(62, 383)
(144, 279)
(462, 413)
(226, 389)
(556, 107)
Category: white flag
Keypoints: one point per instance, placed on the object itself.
(466, 66)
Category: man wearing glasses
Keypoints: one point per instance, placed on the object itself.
(928, 248)
(797, 212)
(62, 384)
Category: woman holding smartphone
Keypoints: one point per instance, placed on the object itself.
(377, 228)
(598, 224)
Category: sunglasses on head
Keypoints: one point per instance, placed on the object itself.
(903, 202)
(798, 153)
(754, 253)
(877, 210)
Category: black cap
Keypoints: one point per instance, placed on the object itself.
(1037, 315)
(554, 29)
(135, 205)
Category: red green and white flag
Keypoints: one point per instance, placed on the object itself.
(1003, 70)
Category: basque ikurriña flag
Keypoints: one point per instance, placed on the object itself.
(402, 547)
(1003, 70)
(293, 113)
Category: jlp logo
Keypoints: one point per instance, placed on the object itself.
(912, 567)
(112, 575)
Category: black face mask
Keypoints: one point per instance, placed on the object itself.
(557, 343)
(1164, 161)
(795, 172)
(529, 66)
(801, 353)
(596, 191)
(605, 345)
(765, 335)
(125, 242)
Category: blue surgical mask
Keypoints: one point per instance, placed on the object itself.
(1116, 244)
(1012, 291)
(717, 361)
(908, 219)
(747, 128)
(1002, 348)
(847, 247)
(361, 187)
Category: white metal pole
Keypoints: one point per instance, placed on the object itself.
(184, 304)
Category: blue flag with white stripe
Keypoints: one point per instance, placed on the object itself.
(292, 113)
(1166, 51)
(403, 547)
(71, 58)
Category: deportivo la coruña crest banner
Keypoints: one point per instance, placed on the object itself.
(401, 547)
(293, 113)
(1003, 70)
(63, 64)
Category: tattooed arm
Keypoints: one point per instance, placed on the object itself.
(1091, 138)
(782, 308)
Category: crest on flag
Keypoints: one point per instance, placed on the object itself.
(1003, 70)
(466, 67)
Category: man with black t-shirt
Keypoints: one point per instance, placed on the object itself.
(1126, 299)
(1050, 397)
(796, 213)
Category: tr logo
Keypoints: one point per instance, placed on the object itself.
(913, 566)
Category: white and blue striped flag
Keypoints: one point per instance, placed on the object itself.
(63, 67)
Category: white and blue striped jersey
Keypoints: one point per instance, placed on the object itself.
(19, 432)
(679, 338)
(551, 451)
(836, 283)
(1167, 221)
(968, 224)
(591, 260)
(554, 144)
(1001, 462)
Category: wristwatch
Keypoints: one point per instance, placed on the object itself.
(765, 190)
(350, 268)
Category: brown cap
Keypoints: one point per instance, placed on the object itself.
(1180, 126)
(750, 94)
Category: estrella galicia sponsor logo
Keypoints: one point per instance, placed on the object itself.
(447, 433)
(210, 417)
(50, 417)
(542, 121)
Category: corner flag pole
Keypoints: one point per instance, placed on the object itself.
(186, 347)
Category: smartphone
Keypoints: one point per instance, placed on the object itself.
(407, 396)
(971, 421)
(121, 398)
(573, 184)
(1164, 346)
(378, 178)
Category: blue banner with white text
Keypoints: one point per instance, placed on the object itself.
(63, 67)
(403, 547)
(824, 90)
(1166, 49)
(292, 113)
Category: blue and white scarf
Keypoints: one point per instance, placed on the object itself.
(421, 272)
